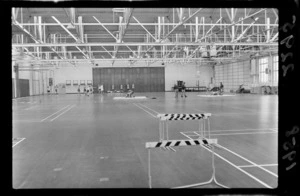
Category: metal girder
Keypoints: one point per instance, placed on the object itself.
(275, 13)
(76, 39)
(71, 15)
(15, 12)
(105, 28)
(122, 33)
(125, 59)
(242, 34)
(233, 23)
(274, 37)
(144, 28)
(179, 24)
(34, 39)
(132, 24)
(210, 29)
(143, 44)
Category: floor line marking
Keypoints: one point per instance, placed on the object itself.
(242, 133)
(19, 142)
(273, 130)
(262, 165)
(144, 110)
(55, 113)
(62, 113)
(235, 166)
(241, 169)
(247, 160)
(30, 107)
(148, 108)
(237, 130)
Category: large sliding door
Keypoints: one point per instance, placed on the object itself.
(141, 79)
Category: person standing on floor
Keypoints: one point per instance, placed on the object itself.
(183, 90)
(99, 89)
(48, 90)
(87, 91)
(91, 89)
(78, 90)
(56, 90)
(221, 88)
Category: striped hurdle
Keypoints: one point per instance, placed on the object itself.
(178, 143)
(203, 119)
(172, 143)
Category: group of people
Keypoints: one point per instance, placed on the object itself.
(87, 90)
(55, 89)
(181, 89)
(217, 90)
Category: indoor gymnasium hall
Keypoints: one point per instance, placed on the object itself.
(144, 97)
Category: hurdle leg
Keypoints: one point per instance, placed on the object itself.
(149, 170)
(167, 136)
(214, 169)
(162, 132)
(159, 123)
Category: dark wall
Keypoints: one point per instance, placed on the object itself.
(22, 88)
(145, 79)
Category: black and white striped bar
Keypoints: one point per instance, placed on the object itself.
(171, 143)
(183, 116)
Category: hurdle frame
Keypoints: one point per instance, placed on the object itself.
(163, 127)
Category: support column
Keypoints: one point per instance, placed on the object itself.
(268, 29)
(197, 32)
(17, 82)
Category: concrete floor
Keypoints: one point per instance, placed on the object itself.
(75, 141)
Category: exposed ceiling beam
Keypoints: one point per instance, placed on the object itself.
(143, 44)
(243, 33)
(144, 28)
(75, 38)
(105, 28)
(135, 24)
(36, 40)
(127, 17)
(174, 28)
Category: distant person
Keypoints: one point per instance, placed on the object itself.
(221, 88)
(56, 90)
(48, 89)
(84, 90)
(91, 90)
(78, 90)
(87, 91)
(99, 89)
(183, 90)
(241, 89)
(130, 93)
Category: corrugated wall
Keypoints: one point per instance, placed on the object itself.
(233, 75)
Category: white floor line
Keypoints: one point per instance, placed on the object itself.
(275, 130)
(235, 166)
(30, 107)
(62, 113)
(149, 108)
(19, 142)
(144, 110)
(236, 130)
(262, 165)
(241, 169)
(55, 113)
(242, 133)
(247, 160)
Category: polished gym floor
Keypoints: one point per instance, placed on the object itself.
(78, 141)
